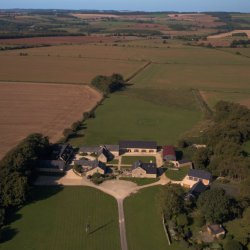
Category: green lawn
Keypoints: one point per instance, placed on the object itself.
(130, 116)
(140, 181)
(177, 175)
(132, 159)
(143, 222)
(57, 221)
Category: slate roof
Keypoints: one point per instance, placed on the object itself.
(113, 148)
(216, 229)
(96, 149)
(201, 174)
(198, 188)
(52, 164)
(168, 150)
(138, 144)
(150, 168)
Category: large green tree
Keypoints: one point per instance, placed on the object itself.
(172, 200)
(215, 205)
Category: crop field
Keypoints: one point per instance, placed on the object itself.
(58, 217)
(46, 108)
(130, 116)
(143, 222)
(59, 40)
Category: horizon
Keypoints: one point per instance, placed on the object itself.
(131, 6)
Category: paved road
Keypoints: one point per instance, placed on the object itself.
(122, 226)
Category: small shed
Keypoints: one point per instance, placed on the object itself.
(216, 230)
(169, 153)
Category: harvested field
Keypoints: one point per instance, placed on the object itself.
(59, 69)
(94, 16)
(222, 35)
(212, 97)
(59, 40)
(46, 108)
(200, 19)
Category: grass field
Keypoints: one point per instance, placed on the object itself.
(57, 221)
(177, 175)
(179, 76)
(140, 181)
(132, 159)
(126, 116)
(143, 222)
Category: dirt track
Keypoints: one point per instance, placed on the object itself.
(46, 108)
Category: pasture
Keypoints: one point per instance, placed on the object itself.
(143, 222)
(57, 220)
(46, 108)
(130, 116)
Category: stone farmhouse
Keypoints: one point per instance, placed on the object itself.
(217, 231)
(144, 170)
(196, 175)
(58, 159)
(91, 167)
(104, 153)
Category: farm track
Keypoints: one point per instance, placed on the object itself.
(139, 71)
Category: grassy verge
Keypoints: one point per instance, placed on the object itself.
(132, 159)
(177, 175)
(140, 181)
(143, 222)
(58, 217)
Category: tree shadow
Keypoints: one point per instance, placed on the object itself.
(101, 227)
(7, 234)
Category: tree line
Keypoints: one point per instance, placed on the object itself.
(17, 171)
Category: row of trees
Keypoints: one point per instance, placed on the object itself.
(17, 170)
(109, 84)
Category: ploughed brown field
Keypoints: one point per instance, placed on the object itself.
(27, 108)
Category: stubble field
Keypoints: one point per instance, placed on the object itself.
(45, 108)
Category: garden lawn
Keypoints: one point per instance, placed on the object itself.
(177, 175)
(129, 160)
(140, 181)
(143, 222)
(58, 218)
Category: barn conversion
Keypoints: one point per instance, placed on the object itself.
(91, 167)
(144, 170)
(196, 175)
(138, 147)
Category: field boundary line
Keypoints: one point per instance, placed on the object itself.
(138, 71)
(35, 82)
(202, 103)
